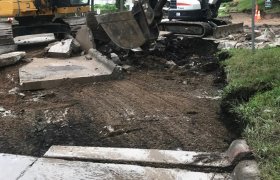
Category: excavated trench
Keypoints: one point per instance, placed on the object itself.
(157, 105)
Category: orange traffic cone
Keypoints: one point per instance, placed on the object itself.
(259, 16)
(256, 13)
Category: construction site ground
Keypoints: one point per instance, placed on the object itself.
(154, 105)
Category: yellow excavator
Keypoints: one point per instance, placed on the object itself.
(127, 29)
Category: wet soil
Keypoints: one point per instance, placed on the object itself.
(154, 106)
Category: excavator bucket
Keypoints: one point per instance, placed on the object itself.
(123, 29)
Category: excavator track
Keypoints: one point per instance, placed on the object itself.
(6, 38)
(192, 29)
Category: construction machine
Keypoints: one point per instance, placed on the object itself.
(128, 29)
(197, 18)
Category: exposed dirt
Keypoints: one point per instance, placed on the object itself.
(247, 19)
(153, 107)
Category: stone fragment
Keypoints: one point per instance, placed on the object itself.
(128, 67)
(115, 58)
(61, 49)
(11, 58)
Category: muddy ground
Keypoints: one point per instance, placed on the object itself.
(154, 106)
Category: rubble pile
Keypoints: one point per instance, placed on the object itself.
(265, 36)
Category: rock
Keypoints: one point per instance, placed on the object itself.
(61, 49)
(88, 57)
(15, 90)
(226, 44)
(230, 37)
(171, 65)
(128, 67)
(11, 58)
(267, 36)
(2, 109)
(243, 45)
(115, 58)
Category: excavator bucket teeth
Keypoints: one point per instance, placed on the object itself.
(123, 29)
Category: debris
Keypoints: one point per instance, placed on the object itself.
(267, 36)
(61, 49)
(88, 57)
(11, 58)
(226, 44)
(128, 68)
(34, 39)
(170, 64)
(2, 109)
(15, 90)
(85, 38)
(115, 58)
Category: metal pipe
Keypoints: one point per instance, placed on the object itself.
(253, 24)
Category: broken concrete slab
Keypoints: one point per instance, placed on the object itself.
(160, 158)
(85, 38)
(61, 49)
(11, 58)
(45, 168)
(34, 39)
(13, 166)
(7, 48)
(52, 72)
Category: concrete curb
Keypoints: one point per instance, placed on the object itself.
(237, 151)
(246, 170)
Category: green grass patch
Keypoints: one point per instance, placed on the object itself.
(106, 8)
(260, 114)
(256, 71)
(246, 6)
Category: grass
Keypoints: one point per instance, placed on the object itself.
(260, 114)
(106, 8)
(246, 6)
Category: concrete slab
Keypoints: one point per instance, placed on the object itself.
(34, 39)
(153, 157)
(85, 38)
(50, 72)
(61, 169)
(11, 58)
(61, 49)
(159, 158)
(13, 166)
(7, 48)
